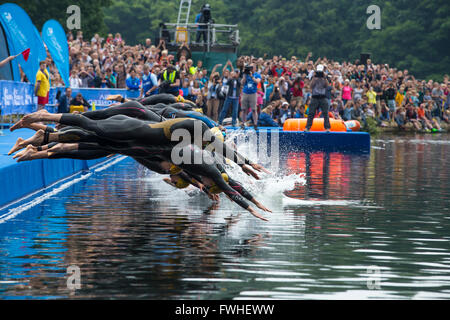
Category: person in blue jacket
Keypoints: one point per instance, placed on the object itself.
(133, 81)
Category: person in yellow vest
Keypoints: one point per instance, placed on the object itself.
(42, 87)
(170, 81)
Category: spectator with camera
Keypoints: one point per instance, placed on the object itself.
(249, 83)
(232, 98)
(212, 98)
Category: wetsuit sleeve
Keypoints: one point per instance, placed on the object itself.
(229, 153)
(239, 188)
(230, 192)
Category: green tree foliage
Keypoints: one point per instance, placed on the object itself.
(92, 18)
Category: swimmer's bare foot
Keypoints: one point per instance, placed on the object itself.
(21, 153)
(17, 146)
(35, 140)
(27, 154)
(115, 97)
(28, 119)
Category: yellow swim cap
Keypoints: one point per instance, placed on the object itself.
(180, 99)
(182, 184)
(214, 189)
(174, 170)
(225, 177)
(199, 110)
(218, 133)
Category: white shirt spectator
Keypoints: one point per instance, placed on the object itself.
(75, 81)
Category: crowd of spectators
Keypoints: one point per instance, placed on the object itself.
(279, 87)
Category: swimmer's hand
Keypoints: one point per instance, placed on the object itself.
(249, 171)
(213, 197)
(260, 168)
(256, 214)
(260, 206)
(169, 182)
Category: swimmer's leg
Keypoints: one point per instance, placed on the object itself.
(132, 109)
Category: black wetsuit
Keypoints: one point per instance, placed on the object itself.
(120, 129)
(170, 112)
(166, 99)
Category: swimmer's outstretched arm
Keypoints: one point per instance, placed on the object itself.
(211, 172)
(196, 182)
(246, 194)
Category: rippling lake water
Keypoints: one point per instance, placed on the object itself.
(343, 226)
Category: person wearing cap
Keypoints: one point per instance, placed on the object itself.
(319, 84)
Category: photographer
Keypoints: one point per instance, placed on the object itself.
(203, 18)
(319, 85)
(249, 83)
(212, 98)
(170, 81)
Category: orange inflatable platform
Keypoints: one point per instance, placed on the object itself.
(318, 125)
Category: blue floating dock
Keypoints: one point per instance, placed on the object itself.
(17, 180)
(345, 142)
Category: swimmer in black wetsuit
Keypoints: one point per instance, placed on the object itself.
(140, 133)
(158, 99)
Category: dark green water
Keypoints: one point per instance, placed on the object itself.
(348, 226)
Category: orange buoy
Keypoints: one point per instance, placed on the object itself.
(353, 125)
(318, 125)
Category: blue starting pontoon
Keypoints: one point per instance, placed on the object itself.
(346, 142)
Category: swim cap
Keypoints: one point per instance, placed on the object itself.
(199, 110)
(182, 184)
(225, 177)
(218, 133)
(174, 170)
(180, 99)
(214, 189)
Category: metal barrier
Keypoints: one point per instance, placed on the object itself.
(217, 35)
